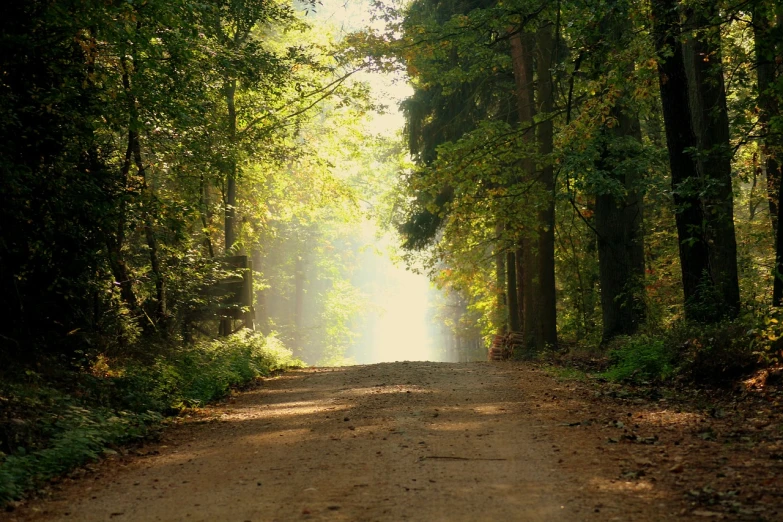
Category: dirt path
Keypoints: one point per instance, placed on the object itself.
(386, 442)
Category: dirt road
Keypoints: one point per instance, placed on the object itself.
(387, 442)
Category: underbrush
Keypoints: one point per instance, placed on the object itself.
(48, 429)
(716, 355)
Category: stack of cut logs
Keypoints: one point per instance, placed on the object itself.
(503, 346)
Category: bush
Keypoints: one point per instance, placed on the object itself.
(84, 436)
(641, 358)
(715, 354)
(46, 431)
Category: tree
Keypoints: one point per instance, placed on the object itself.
(618, 199)
(694, 108)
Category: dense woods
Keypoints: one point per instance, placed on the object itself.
(156, 158)
(589, 170)
(588, 175)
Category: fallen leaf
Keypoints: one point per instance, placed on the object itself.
(677, 468)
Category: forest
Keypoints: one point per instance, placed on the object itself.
(192, 192)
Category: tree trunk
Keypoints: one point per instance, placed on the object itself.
(149, 234)
(299, 297)
(231, 174)
(618, 217)
(710, 118)
(134, 147)
(618, 223)
(766, 47)
(547, 303)
(261, 309)
(777, 285)
(115, 245)
(205, 216)
(511, 293)
(520, 278)
(526, 260)
(680, 137)
(500, 283)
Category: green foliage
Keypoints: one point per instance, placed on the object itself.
(82, 435)
(208, 371)
(718, 353)
(47, 432)
(194, 375)
(641, 358)
(715, 354)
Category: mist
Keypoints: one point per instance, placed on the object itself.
(398, 323)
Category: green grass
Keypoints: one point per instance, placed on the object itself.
(48, 430)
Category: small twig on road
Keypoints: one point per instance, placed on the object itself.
(457, 458)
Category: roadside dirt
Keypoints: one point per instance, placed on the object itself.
(428, 441)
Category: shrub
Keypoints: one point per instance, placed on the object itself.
(715, 354)
(641, 358)
(120, 403)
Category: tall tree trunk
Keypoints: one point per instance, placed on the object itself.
(152, 242)
(299, 297)
(511, 292)
(231, 174)
(618, 223)
(767, 19)
(765, 48)
(680, 138)
(500, 284)
(526, 260)
(547, 303)
(147, 197)
(205, 216)
(114, 245)
(709, 114)
(618, 217)
(261, 309)
(519, 265)
(777, 285)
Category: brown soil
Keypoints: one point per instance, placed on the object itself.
(430, 441)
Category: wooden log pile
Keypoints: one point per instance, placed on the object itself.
(503, 346)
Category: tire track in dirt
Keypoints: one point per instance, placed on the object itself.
(384, 442)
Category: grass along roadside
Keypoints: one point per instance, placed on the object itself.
(48, 429)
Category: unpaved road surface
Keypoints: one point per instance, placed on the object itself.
(386, 442)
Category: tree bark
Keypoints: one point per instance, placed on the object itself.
(299, 297)
(766, 21)
(205, 216)
(618, 217)
(680, 138)
(526, 260)
(709, 113)
(134, 148)
(777, 285)
(765, 52)
(511, 293)
(114, 245)
(618, 223)
(547, 305)
(231, 174)
(261, 309)
(500, 284)
(520, 279)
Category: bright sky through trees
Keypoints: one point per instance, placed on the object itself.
(398, 326)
